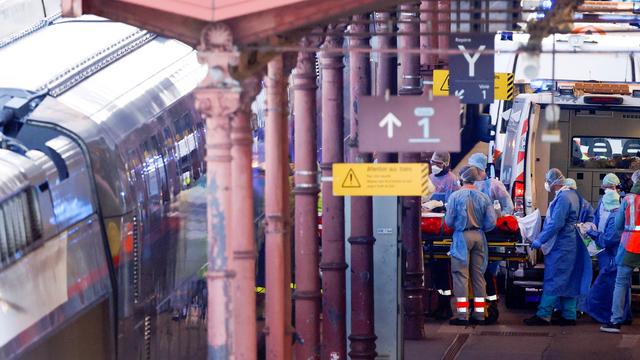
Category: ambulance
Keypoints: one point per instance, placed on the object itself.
(585, 129)
(589, 54)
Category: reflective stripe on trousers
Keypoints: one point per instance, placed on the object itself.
(478, 305)
(462, 305)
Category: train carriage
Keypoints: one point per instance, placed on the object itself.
(102, 208)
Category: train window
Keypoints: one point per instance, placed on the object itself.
(19, 225)
(150, 171)
(161, 167)
(184, 145)
(4, 240)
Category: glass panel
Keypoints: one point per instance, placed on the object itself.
(4, 242)
(592, 152)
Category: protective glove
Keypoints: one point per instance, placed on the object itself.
(593, 234)
(536, 244)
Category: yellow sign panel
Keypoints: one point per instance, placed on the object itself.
(380, 179)
(440, 82)
(503, 87)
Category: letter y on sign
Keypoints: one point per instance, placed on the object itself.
(472, 59)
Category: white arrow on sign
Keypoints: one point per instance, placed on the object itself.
(390, 120)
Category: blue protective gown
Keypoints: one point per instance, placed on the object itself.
(445, 183)
(495, 190)
(456, 218)
(601, 293)
(587, 214)
(567, 265)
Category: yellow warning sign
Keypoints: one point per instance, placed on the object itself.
(440, 82)
(380, 179)
(503, 87)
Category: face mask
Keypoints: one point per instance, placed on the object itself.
(607, 191)
(547, 187)
(436, 169)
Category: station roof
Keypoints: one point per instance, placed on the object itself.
(250, 20)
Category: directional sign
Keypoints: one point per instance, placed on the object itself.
(380, 179)
(409, 124)
(471, 73)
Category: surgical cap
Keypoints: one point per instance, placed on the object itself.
(478, 160)
(610, 180)
(636, 176)
(570, 183)
(611, 200)
(554, 177)
(441, 156)
(469, 174)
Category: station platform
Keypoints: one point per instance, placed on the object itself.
(511, 339)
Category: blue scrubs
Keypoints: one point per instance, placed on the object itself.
(567, 272)
(601, 294)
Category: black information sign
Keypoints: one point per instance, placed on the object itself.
(471, 72)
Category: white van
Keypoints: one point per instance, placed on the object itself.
(599, 133)
(578, 57)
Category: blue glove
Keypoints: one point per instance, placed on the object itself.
(536, 244)
(593, 234)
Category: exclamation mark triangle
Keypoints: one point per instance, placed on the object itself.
(351, 180)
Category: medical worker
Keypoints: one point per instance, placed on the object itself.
(445, 183)
(495, 190)
(608, 239)
(444, 180)
(471, 214)
(586, 210)
(567, 265)
(609, 184)
(491, 187)
(628, 256)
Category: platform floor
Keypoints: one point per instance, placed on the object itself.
(510, 339)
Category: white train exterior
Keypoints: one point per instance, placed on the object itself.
(102, 175)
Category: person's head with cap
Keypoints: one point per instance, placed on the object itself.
(553, 180)
(439, 161)
(611, 200)
(469, 174)
(610, 181)
(570, 183)
(479, 161)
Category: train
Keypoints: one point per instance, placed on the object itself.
(103, 234)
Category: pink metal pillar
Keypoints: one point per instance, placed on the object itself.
(307, 293)
(362, 338)
(444, 28)
(387, 63)
(277, 328)
(411, 209)
(244, 252)
(333, 263)
(217, 102)
(429, 39)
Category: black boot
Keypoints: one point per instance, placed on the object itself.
(492, 313)
(535, 320)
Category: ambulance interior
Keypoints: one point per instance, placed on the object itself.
(594, 141)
